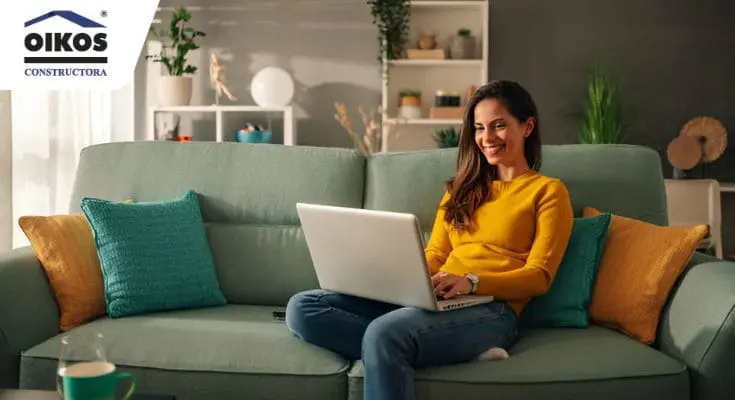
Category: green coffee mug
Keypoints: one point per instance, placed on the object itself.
(94, 380)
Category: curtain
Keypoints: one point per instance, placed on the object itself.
(50, 128)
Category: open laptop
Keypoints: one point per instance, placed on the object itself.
(377, 255)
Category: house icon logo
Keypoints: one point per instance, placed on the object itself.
(70, 16)
(84, 42)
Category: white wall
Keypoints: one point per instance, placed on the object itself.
(328, 46)
(6, 173)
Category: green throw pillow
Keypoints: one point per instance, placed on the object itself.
(565, 303)
(154, 255)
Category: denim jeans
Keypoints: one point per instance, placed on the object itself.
(393, 340)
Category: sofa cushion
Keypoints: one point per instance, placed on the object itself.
(409, 182)
(639, 268)
(65, 247)
(236, 182)
(555, 363)
(566, 302)
(261, 264)
(218, 353)
(413, 181)
(154, 255)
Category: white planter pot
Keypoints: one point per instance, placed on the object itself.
(175, 90)
(462, 48)
(409, 112)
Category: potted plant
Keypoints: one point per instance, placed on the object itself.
(446, 138)
(392, 18)
(175, 89)
(602, 117)
(409, 104)
(462, 45)
(409, 97)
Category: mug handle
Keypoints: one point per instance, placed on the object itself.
(128, 376)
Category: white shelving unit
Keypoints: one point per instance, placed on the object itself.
(219, 111)
(442, 18)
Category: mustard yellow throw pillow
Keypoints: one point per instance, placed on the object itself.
(65, 247)
(640, 265)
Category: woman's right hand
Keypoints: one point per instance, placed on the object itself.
(449, 285)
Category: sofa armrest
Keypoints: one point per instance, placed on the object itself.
(698, 327)
(28, 311)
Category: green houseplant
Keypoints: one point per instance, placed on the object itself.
(176, 43)
(446, 138)
(602, 114)
(392, 19)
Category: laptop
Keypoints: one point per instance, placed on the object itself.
(377, 255)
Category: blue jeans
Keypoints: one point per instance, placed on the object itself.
(393, 340)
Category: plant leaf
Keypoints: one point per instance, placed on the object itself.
(602, 118)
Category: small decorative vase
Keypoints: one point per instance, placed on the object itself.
(462, 47)
(427, 42)
(175, 90)
(245, 136)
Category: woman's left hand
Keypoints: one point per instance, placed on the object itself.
(449, 285)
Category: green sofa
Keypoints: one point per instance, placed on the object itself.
(248, 195)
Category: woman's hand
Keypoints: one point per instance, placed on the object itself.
(449, 285)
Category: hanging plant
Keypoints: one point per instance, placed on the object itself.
(392, 18)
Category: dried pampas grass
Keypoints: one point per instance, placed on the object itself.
(369, 141)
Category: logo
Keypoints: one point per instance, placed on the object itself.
(66, 47)
(73, 44)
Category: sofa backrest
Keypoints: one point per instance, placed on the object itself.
(247, 194)
(623, 179)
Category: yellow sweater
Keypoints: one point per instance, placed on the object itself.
(517, 243)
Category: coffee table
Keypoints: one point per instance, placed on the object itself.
(20, 394)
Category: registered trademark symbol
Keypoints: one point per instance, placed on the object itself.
(103, 13)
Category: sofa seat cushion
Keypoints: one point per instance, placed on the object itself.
(223, 352)
(594, 363)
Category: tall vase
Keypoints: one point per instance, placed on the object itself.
(462, 47)
(175, 90)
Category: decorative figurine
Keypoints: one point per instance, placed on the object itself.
(215, 77)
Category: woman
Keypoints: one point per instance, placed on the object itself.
(501, 229)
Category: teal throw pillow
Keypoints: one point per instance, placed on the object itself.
(154, 255)
(566, 303)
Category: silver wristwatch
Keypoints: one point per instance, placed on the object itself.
(474, 280)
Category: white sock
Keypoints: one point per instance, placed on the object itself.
(494, 353)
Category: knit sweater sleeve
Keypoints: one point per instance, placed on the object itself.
(554, 220)
(439, 246)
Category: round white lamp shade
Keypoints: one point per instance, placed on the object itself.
(272, 87)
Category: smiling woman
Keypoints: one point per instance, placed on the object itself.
(501, 229)
(500, 139)
(502, 224)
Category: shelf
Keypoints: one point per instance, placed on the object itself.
(438, 63)
(423, 121)
(214, 108)
(442, 18)
(219, 111)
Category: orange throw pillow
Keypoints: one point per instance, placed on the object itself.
(639, 267)
(65, 247)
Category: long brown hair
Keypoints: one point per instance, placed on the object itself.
(470, 188)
